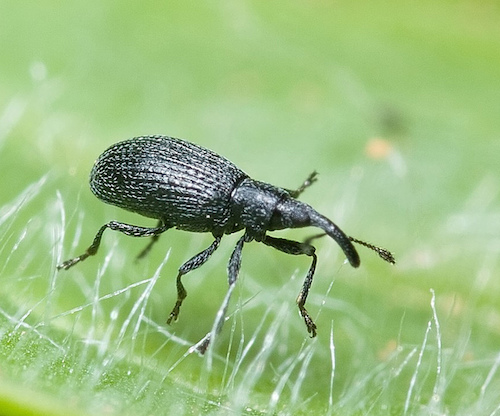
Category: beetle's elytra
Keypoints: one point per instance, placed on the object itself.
(188, 187)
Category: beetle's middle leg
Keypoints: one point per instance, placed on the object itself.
(153, 240)
(233, 269)
(295, 248)
(193, 263)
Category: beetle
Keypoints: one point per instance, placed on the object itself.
(185, 186)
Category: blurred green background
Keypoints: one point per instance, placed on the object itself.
(395, 104)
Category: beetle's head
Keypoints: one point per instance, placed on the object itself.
(290, 213)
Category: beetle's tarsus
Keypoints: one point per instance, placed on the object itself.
(311, 326)
(71, 262)
(174, 315)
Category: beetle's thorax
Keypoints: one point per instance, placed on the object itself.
(259, 207)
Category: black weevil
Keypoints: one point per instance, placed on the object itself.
(191, 188)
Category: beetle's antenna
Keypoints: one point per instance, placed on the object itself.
(382, 252)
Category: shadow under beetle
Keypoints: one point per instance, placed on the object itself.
(191, 188)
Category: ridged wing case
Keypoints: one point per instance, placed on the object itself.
(183, 184)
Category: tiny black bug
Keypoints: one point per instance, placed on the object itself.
(191, 188)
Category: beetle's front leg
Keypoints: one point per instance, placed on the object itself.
(295, 248)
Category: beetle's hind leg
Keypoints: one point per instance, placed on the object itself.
(306, 184)
(191, 264)
(296, 248)
(127, 229)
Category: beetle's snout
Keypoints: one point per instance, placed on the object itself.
(337, 234)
